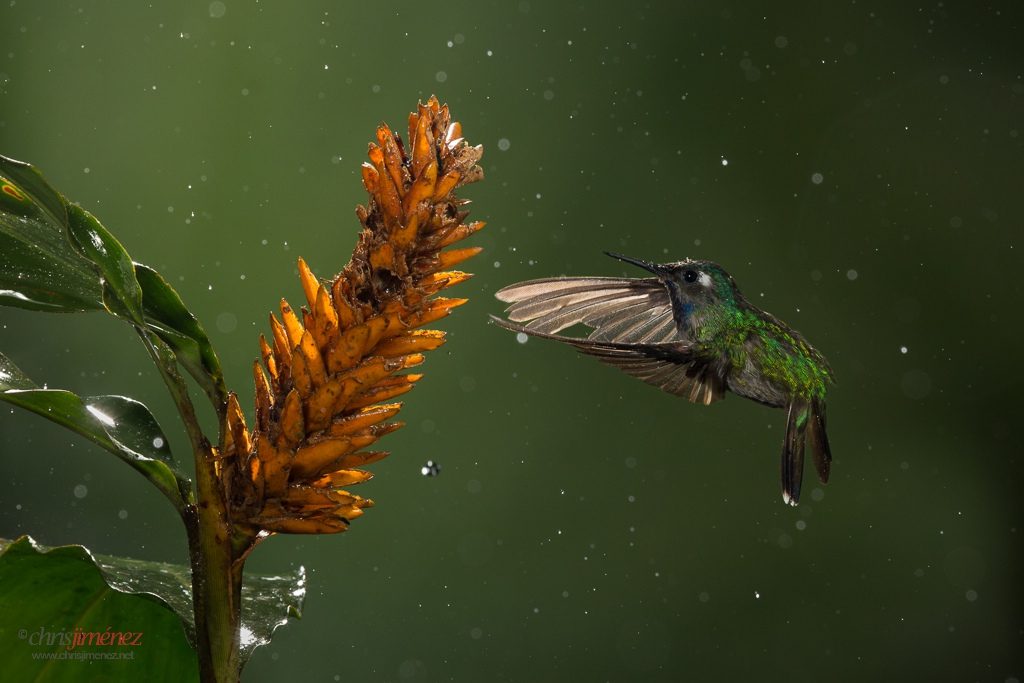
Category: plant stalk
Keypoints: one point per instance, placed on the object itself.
(216, 577)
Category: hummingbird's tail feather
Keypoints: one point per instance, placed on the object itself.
(820, 450)
(798, 414)
(680, 368)
(617, 309)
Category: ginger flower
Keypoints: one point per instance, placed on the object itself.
(330, 369)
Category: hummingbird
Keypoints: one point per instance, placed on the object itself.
(689, 331)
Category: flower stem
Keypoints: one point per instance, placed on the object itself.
(216, 577)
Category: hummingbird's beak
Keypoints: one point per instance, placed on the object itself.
(655, 268)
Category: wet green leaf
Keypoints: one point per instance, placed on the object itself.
(168, 317)
(40, 269)
(49, 594)
(111, 261)
(56, 256)
(267, 601)
(119, 424)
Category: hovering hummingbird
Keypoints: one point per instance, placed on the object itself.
(688, 331)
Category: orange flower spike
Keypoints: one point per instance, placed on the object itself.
(392, 157)
(292, 525)
(371, 178)
(268, 360)
(376, 327)
(282, 350)
(422, 142)
(310, 326)
(437, 309)
(422, 190)
(309, 282)
(387, 194)
(349, 348)
(236, 426)
(350, 512)
(310, 499)
(412, 341)
(272, 469)
(386, 390)
(446, 184)
(264, 397)
(461, 232)
(435, 282)
(369, 437)
(291, 422)
(327, 370)
(367, 417)
(363, 376)
(301, 379)
(343, 478)
(292, 326)
(360, 459)
(317, 456)
(326, 318)
(319, 408)
(307, 348)
(447, 259)
(383, 256)
(256, 480)
(346, 314)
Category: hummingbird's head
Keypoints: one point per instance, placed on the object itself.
(693, 284)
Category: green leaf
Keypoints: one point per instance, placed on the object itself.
(267, 601)
(50, 594)
(168, 317)
(119, 424)
(56, 256)
(112, 262)
(40, 269)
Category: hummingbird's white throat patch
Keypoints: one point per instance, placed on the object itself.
(704, 279)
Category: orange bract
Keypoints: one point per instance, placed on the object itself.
(326, 372)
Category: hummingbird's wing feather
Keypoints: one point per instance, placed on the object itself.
(820, 450)
(798, 414)
(680, 368)
(618, 309)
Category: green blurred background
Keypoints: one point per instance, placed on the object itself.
(857, 167)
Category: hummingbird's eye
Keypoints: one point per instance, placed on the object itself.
(690, 276)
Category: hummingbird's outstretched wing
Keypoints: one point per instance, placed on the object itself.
(634, 310)
(677, 367)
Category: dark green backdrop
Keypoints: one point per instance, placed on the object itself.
(858, 168)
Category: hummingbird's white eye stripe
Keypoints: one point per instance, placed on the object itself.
(705, 279)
